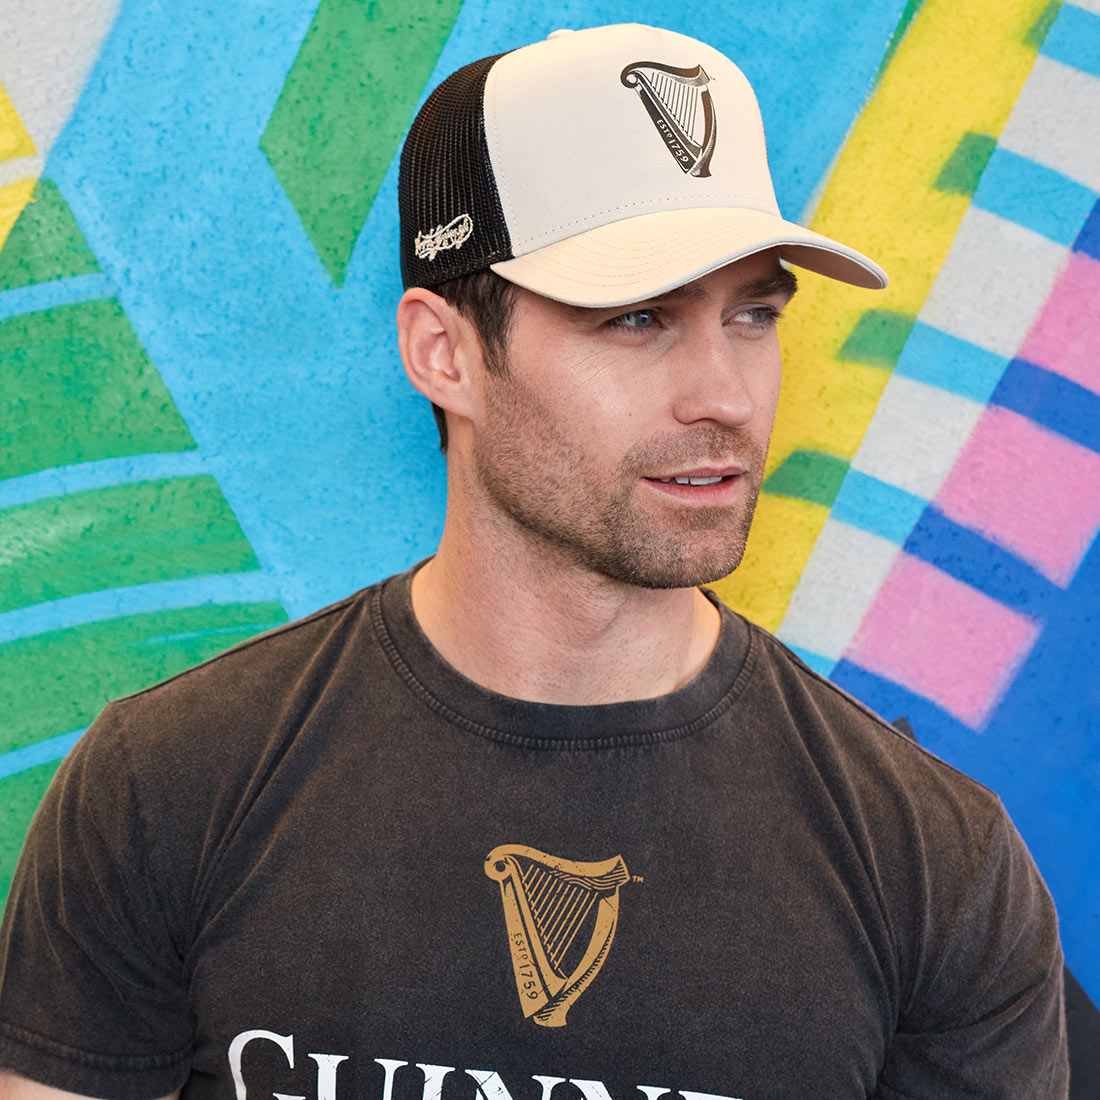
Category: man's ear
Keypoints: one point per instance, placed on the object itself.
(439, 348)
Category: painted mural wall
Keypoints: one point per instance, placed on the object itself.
(205, 429)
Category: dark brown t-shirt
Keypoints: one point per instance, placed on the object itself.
(326, 866)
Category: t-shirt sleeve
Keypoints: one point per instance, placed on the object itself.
(985, 1017)
(91, 990)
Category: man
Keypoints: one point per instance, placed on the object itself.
(541, 819)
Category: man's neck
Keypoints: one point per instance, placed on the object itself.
(559, 635)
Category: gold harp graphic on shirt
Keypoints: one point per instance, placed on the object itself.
(561, 918)
(680, 106)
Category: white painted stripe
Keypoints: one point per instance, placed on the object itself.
(1054, 121)
(916, 435)
(993, 283)
(831, 598)
(47, 50)
(110, 604)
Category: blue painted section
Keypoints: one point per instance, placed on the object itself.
(328, 458)
(822, 665)
(945, 361)
(1074, 39)
(1088, 240)
(876, 506)
(63, 292)
(968, 557)
(82, 476)
(93, 607)
(41, 752)
(1034, 196)
(1039, 752)
(1055, 402)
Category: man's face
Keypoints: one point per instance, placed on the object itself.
(580, 444)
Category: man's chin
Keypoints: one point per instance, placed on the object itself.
(675, 570)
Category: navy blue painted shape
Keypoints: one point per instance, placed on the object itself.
(969, 557)
(1051, 400)
(1088, 240)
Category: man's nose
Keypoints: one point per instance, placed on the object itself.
(712, 380)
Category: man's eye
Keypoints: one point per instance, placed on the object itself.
(758, 315)
(636, 318)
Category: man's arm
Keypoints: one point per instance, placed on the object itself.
(14, 1087)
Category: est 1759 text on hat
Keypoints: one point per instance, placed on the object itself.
(598, 168)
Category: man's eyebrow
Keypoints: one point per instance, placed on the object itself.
(783, 282)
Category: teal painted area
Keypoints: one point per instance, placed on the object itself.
(124, 535)
(963, 169)
(76, 386)
(878, 338)
(344, 109)
(45, 243)
(813, 476)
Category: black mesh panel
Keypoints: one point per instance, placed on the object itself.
(446, 186)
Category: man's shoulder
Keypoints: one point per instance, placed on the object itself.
(235, 700)
(857, 743)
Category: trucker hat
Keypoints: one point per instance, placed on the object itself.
(598, 167)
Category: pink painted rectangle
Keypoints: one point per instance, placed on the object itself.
(943, 639)
(1027, 489)
(1066, 337)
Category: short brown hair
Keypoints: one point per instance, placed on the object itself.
(488, 302)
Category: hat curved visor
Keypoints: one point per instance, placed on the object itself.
(636, 258)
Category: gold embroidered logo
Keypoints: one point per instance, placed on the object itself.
(561, 918)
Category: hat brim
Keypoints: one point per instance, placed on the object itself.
(637, 258)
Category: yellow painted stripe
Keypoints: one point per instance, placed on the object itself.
(959, 69)
(12, 200)
(14, 139)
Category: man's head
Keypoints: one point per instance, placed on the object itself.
(598, 199)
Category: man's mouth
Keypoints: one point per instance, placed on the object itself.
(690, 480)
(700, 476)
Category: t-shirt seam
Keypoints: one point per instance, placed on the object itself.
(554, 744)
(27, 1038)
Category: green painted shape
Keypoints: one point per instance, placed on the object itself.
(59, 680)
(908, 14)
(878, 337)
(814, 476)
(1042, 25)
(76, 386)
(343, 111)
(45, 243)
(128, 534)
(19, 798)
(963, 169)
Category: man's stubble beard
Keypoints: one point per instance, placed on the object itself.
(539, 485)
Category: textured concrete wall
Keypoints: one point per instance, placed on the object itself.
(204, 428)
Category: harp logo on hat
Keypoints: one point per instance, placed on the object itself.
(680, 106)
(452, 235)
